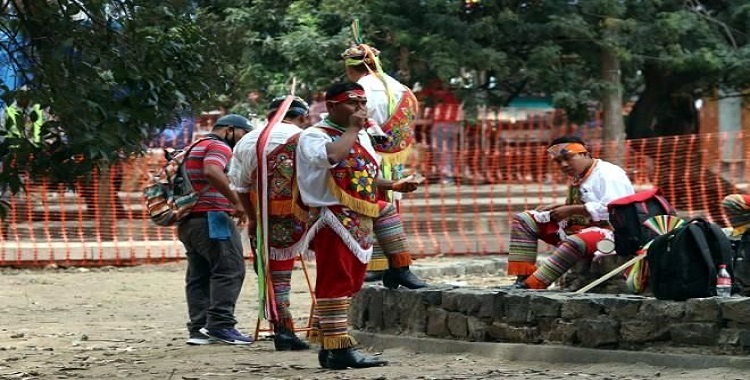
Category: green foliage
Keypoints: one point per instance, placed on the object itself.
(112, 74)
(117, 74)
(268, 43)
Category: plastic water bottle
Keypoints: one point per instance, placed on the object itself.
(723, 282)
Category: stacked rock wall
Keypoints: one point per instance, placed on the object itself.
(545, 317)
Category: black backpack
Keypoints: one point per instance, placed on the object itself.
(627, 214)
(683, 262)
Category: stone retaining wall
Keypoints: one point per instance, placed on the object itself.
(710, 325)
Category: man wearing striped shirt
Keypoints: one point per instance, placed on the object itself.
(216, 266)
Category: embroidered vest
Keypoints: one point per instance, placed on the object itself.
(287, 225)
(579, 222)
(352, 180)
(398, 128)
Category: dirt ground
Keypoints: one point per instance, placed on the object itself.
(110, 323)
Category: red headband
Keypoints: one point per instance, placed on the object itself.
(346, 95)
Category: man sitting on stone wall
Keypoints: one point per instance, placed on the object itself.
(574, 227)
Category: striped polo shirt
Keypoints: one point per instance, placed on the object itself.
(208, 152)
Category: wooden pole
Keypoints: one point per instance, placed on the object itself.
(611, 274)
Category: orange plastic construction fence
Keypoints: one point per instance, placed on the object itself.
(479, 175)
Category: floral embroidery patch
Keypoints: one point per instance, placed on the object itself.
(284, 228)
(284, 231)
(357, 174)
(359, 226)
(398, 128)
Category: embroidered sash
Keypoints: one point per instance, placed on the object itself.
(286, 225)
(576, 223)
(395, 148)
(352, 181)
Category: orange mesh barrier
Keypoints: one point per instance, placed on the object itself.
(478, 176)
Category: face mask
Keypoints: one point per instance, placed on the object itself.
(231, 142)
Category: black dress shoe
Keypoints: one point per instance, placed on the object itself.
(285, 340)
(373, 276)
(520, 283)
(394, 277)
(350, 358)
(323, 357)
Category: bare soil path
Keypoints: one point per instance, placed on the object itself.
(129, 323)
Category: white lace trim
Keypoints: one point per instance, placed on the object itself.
(327, 218)
(291, 252)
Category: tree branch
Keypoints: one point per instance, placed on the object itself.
(696, 7)
(4, 7)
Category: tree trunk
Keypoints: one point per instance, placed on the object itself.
(677, 115)
(644, 113)
(665, 106)
(102, 201)
(679, 170)
(614, 127)
(403, 64)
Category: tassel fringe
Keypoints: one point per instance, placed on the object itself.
(397, 158)
(337, 342)
(281, 254)
(358, 205)
(314, 336)
(377, 264)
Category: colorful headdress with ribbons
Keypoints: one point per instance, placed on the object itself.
(566, 149)
(362, 53)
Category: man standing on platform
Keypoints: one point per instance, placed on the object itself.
(391, 110)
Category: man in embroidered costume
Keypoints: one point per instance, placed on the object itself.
(285, 230)
(573, 228)
(737, 209)
(391, 109)
(337, 175)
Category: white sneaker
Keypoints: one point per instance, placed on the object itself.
(200, 339)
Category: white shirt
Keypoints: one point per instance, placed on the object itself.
(606, 183)
(244, 159)
(377, 97)
(313, 166)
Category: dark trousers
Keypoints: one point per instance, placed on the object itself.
(216, 270)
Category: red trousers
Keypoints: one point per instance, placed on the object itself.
(340, 273)
(277, 265)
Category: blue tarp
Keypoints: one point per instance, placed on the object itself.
(176, 135)
(9, 65)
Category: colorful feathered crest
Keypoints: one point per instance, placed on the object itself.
(360, 52)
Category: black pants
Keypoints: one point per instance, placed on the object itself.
(216, 270)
